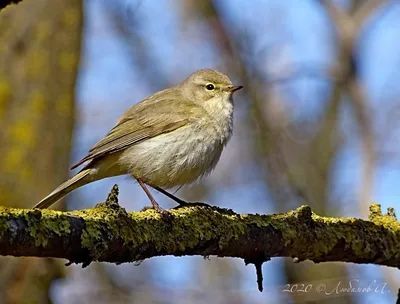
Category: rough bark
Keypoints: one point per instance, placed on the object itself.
(39, 58)
(110, 234)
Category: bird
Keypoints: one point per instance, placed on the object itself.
(170, 139)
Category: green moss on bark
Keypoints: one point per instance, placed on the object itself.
(139, 228)
(108, 233)
(42, 224)
(55, 223)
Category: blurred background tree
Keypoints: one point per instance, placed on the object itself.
(316, 124)
(39, 56)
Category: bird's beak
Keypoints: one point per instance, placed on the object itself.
(233, 88)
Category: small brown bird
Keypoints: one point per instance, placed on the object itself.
(169, 139)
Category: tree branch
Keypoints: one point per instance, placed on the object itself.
(108, 233)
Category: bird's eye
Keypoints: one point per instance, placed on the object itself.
(210, 87)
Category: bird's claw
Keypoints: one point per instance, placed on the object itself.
(158, 209)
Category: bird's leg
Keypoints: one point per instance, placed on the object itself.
(181, 203)
(156, 206)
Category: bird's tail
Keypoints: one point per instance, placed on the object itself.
(77, 181)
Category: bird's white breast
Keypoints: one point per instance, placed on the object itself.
(184, 155)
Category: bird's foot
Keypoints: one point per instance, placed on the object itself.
(155, 207)
(154, 204)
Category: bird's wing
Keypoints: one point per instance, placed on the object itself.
(142, 122)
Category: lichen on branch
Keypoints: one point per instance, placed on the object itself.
(110, 234)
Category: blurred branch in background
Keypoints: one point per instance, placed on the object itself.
(348, 27)
(39, 57)
(127, 24)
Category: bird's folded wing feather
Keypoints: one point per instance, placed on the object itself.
(140, 123)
